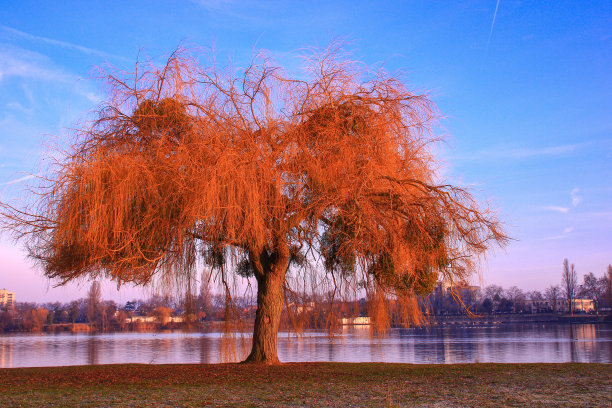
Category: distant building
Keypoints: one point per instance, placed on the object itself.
(583, 305)
(578, 306)
(468, 293)
(298, 308)
(356, 321)
(465, 291)
(7, 299)
(537, 306)
(141, 319)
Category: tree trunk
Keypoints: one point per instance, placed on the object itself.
(267, 317)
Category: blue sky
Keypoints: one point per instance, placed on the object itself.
(525, 93)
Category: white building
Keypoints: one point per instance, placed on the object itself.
(7, 299)
(583, 305)
(578, 305)
(356, 321)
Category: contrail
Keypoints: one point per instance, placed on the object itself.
(493, 24)
(62, 44)
(19, 180)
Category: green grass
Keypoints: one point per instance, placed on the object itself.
(310, 385)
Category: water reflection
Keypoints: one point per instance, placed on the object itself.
(92, 350)
(6, 355)
(510, 343)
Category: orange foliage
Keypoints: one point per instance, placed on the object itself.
(35, 319)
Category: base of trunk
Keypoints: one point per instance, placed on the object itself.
(259, 359)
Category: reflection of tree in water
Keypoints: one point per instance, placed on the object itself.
(588, 335)
(74, 349)
(331, 346)
(572, 344)
(468, 345)
(583, 342)
(377, 346)
(204, 350)
(405, 346)
(6, 355)
(557, 336)
(449, 357)
(233, 347)
(440, 346)
(500, 349)
(163, 347)
(92, 350)
(294, 345)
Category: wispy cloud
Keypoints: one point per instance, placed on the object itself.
(16, 106)
(21, 63)
(18, 62)
(545, 151)
(19, 180)
(212, 4)
(556, 208)
(556, 237)
(518, 153)
(576, 199)
(566, 233)
(493, 23)
(259, 15)
(62, 44)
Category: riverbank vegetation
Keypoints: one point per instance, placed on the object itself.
(309, 384)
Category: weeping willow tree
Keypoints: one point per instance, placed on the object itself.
(256, 170)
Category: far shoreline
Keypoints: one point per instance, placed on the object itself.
(436, 321)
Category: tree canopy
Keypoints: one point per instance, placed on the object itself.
(259, 169)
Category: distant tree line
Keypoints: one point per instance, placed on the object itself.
(555, 299)
(321, 311)
(96, 314)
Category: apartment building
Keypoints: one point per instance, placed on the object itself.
(7, 299)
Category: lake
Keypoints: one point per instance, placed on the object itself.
(509, 343)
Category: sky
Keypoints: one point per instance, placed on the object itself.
(524, 87)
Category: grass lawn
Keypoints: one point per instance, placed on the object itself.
(310, 385)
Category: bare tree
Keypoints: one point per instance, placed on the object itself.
(517, 297)
(537, 301)
(34, 319)
(536, 296)
(591, 288)
(494, 292)
(74, 311)
(570, 284)
(553, 294)
(605, 282)
(93, 303)
(258, 170)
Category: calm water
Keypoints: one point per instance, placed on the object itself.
(508, 343)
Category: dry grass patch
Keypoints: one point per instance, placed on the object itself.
(310, 384)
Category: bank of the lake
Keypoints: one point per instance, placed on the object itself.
(309, 385)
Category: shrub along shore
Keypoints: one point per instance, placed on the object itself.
(309, 385)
